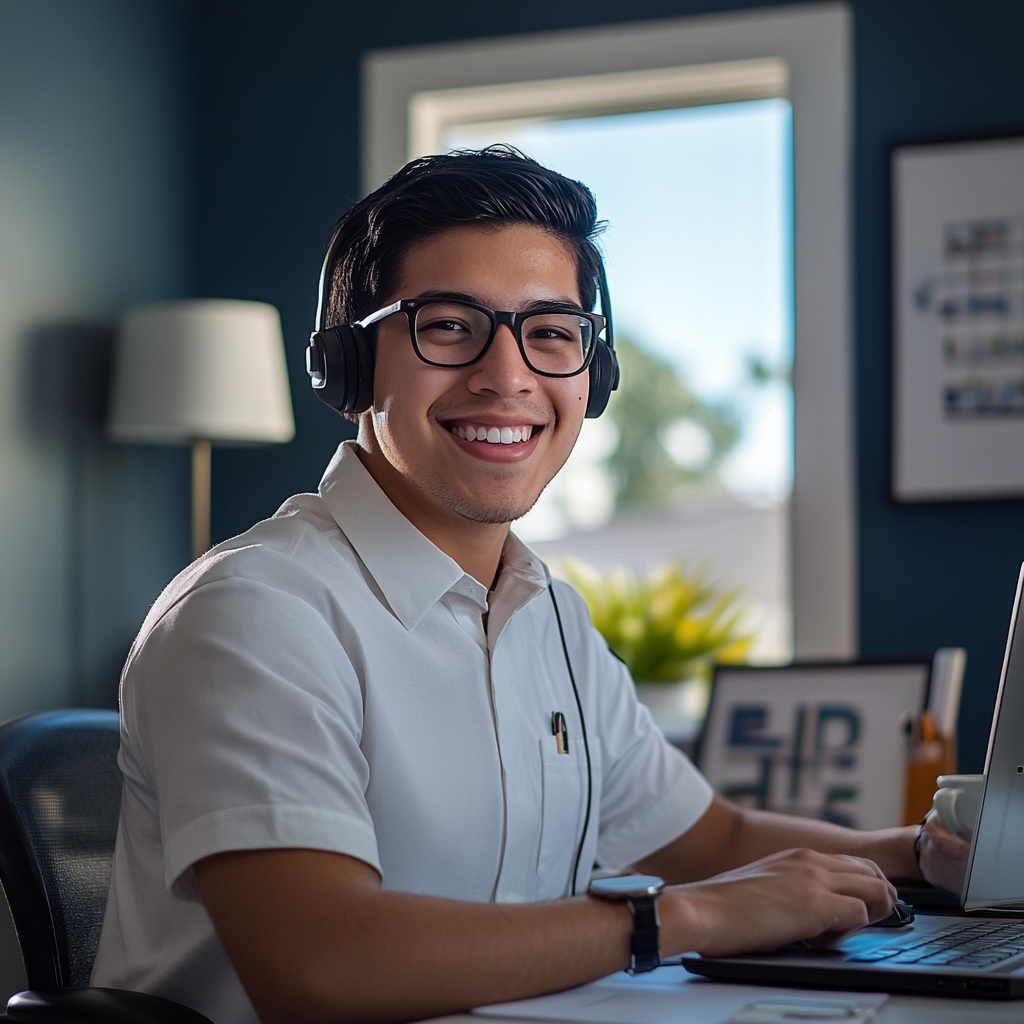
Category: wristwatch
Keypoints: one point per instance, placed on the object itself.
(641, 893)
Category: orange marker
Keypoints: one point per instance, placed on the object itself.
(929, 734)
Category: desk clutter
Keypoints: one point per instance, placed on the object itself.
(827, 740)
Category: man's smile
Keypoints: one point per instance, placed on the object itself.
(502, 441)
(493, 434)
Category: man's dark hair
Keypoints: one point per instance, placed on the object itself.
(497, 186)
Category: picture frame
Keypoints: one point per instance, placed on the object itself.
(826, 740)
(958, 319)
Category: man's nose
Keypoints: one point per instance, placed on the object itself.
(502, 370)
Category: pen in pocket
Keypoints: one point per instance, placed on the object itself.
(560, 732)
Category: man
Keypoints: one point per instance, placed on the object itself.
(343, 799)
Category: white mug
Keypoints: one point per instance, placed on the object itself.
(957, 802)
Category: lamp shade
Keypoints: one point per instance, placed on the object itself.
(201, 368)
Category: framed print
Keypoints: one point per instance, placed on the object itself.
(825, 741)
(958, 305)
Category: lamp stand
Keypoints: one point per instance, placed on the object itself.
(200, 497)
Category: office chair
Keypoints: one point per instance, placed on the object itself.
(60, 799)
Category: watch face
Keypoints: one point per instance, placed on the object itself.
(626, 887)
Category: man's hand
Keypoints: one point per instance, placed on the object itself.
(943, 855)
(797, 894)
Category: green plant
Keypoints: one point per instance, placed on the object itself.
(668, 624)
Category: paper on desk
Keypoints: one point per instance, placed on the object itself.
(670, 994)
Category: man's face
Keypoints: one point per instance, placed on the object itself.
(421, 417)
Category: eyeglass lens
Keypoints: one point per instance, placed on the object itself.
(452, 334)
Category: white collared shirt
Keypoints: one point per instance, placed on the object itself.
(325, 681)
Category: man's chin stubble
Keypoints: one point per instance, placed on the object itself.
(475, 512)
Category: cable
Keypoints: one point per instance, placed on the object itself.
(583, 730)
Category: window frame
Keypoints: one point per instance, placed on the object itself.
(688, 59)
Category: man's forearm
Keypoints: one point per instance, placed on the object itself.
(728, 837)
(892, 849)
(313, 938)
(433, 956)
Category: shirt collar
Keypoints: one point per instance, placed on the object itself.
(518, 560)
(523, 576)
(411, 571)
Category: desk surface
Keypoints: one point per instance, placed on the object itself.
(898, 1010)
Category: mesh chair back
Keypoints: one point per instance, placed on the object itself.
(60, 799)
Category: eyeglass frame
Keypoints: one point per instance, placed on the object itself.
(497, 317)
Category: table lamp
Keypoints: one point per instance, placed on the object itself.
(201, 371)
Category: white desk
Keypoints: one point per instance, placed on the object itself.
(898, 1010)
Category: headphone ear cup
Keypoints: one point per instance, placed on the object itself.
(604, 379)
(339, 362)
(360, 369)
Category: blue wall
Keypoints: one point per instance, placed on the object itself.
(93, 217)
(279, 161)
(936, 573)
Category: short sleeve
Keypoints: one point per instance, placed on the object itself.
(650, 793)
(247, 715)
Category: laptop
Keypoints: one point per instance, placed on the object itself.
(978, 953)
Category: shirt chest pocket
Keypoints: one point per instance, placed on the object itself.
(563, 808)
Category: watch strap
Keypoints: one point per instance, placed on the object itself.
(643, 944)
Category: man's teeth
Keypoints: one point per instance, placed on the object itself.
(495, 435)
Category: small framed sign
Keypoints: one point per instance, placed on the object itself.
(958, 320)
(825, 741)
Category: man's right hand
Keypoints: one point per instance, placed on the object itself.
(796, 894)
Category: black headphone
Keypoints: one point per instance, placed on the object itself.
(339, 360)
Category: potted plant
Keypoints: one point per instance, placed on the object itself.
(669, 626)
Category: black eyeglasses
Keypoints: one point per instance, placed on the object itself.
(557, 341)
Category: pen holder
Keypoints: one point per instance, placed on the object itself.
(930, 755)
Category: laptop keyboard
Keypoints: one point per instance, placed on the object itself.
(971, 945)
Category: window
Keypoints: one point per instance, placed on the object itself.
(709, 80)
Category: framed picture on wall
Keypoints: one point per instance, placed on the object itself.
(825, 741)
(958, 305)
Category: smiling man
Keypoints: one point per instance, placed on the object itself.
(371, 753)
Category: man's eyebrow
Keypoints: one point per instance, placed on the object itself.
(536, 304)
(548, 303)
(455, 296)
